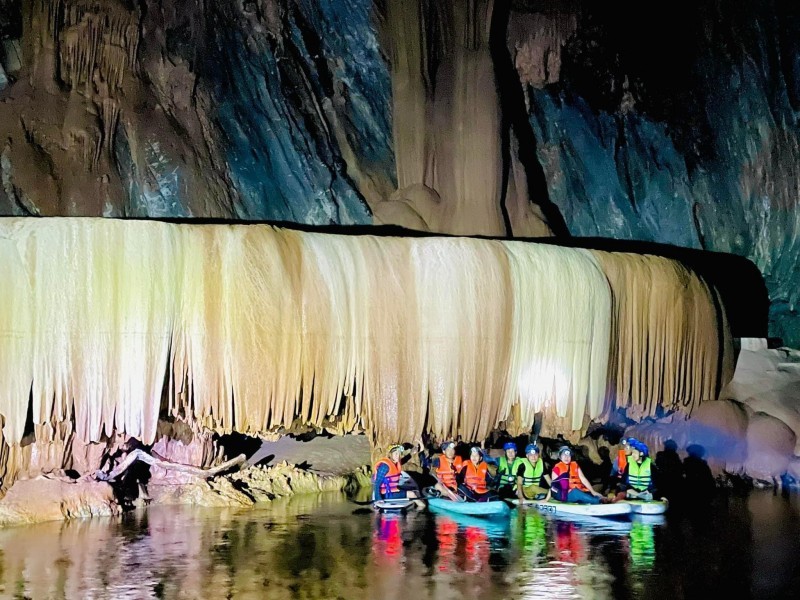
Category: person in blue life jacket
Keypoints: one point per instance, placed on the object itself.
(388, 479)
(638, 481)
(531, 475)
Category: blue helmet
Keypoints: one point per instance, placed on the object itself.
(446, 445)
(641, 447)
(476, 449)
(564, 449)
(509, 446)
(531, 448)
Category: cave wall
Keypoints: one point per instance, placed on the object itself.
(679, 130)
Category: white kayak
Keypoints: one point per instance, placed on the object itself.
(395, 505)
(553, 507)
(648, 507)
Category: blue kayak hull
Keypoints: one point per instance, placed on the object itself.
(492, 509)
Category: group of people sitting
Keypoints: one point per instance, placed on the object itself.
(482, 478)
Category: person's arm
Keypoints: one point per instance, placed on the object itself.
(461, 474)
(520, 481)
(380, 474)
(587, 484)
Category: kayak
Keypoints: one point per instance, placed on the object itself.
(495, 508)
(554, 507)
(396, 505)
(648, 507)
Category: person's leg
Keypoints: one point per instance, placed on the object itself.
(581, 497)
(467, 493)
(507, 491)
(532, 491)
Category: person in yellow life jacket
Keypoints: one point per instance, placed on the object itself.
(474, 480)
(637, 481)
(507, 467)
(445, 467)
(388, 479)
(569, 484)
(530, 474)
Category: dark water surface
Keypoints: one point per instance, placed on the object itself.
(316, 547)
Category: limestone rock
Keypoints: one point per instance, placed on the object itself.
(44, 499)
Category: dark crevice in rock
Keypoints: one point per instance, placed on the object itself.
(515, 117)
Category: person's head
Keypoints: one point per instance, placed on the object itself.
(627, 445)
(532, 452)
(565, 454)
(395, 452)
(511, 450)
(475, 454)
(449, 449)
(638, 451)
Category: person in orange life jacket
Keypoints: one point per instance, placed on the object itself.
(474, 479)
(637, 478)
(388, 479)
(619, 464)
(445, 467)
(569, 484)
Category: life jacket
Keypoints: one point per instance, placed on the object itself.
(622, 461)
(391, 482)
(533, 473)
(561, 473)
(446, 471)
(508, 473)
(475, 477)
(639, 475)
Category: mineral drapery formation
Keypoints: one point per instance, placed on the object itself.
(255, 328)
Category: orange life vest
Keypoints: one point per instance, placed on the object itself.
(622, 461)
(560, 472)
(446, 471)
(390, 483)
(475, 477)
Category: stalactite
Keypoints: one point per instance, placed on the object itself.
(97, 38)
(670, 349)
(259, 329)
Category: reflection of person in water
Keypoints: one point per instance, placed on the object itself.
(476, 549)
(568, 542)
(643, 546)
(387, 539)
(447, 538)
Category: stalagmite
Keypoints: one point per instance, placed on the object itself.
(258, 329)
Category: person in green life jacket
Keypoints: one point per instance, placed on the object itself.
(530, 474)
(637, 479)
(507, 467)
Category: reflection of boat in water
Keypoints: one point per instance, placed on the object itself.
(649, 519)
(594, 525)
(495, 528)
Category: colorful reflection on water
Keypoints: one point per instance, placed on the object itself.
(326, 547)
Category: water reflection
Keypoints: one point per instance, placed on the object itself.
(316, 547)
